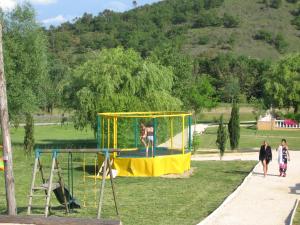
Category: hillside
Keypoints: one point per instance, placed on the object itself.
(254, 16)
(197, 27)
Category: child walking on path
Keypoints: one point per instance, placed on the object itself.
(283, 157)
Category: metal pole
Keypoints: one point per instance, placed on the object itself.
(108, 133)
(136, 133)
(98, 131)
(154, 135)
(171, 133)
(190, 133)
(183, 134)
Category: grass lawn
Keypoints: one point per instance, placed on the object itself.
(213, 115)
(250, 138)
(296, 220)
(146, 200)
(141, 200)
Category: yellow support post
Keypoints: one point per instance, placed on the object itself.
(84, 189)
(171, 132)
(183, 135)
(102, 127)
(114, 141)
(108, 132)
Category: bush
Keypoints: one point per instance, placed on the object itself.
(208, 4)
(209, 19)
(280, 43)
(264, 35)
(196, 142)
(296, 22)
(203, 40)
(276, 4)
(292, 1)
(230, 21)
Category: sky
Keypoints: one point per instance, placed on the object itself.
(55, 12)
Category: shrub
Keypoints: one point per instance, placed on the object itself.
(203, 40)
(264, 35)
(209, 19)
(296, 22)
(196, 142)
(230, 21)
(208, 4)
(292, 1)
(276, 4)
(280, 43)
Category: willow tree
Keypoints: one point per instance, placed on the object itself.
(118, 80)
(282, 83)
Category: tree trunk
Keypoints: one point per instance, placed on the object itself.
(296, 108)
(7, 150)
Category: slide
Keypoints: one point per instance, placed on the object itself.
(72, 203)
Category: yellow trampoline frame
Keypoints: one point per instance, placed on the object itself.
(154, 166)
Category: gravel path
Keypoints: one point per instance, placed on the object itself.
(261, 200)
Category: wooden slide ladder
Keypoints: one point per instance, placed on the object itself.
(47, 186)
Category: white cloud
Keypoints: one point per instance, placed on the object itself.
(7, 5)
(43, 2)
(55, 20)
(117, 6)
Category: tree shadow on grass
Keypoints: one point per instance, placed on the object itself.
(236, 172)
(65, 144)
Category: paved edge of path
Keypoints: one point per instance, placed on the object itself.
(228, 199)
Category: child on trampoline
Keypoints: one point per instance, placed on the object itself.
(147, 137)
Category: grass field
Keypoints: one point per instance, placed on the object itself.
(159, 201)
(250, 138)
(296, 220)
(141, 200)
(213, 115)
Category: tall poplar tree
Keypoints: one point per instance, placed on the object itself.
(234, 126)
(221, 137)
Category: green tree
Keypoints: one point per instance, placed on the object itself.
(201, 95)
(29, 134)
(258, 108)
(221, 137)
(232, 89)
(230, 21)
(234, 126)
(118, 80)
(282, 83)
(26, 64)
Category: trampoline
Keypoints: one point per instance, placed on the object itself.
(168, 151)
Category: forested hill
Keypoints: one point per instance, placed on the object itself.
(263, 29)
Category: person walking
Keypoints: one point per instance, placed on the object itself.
(283, 157)
(265, 156)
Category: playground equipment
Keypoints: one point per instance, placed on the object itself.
(1, 161)
(122, 131)
(64, 195)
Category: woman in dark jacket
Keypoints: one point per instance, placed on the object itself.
(265, 156)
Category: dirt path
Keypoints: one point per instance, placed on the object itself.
(261, 200)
